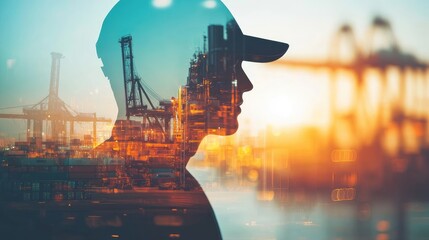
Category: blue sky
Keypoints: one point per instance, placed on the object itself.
(30, 30)
(164, 40)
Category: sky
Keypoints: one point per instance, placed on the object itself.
(164, 41)
(31, 30)
(296, 97)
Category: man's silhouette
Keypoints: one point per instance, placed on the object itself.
(165, 37)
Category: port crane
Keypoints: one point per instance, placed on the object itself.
(55, 113)
(367, 158)
(136, 93)
(381, 60)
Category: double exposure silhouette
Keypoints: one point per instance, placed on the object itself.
(157, 41)
(174, 67)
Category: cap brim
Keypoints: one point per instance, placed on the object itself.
(263, 50)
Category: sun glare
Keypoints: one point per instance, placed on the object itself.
(295, 98)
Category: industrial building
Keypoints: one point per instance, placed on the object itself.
(152, 138)
(43, 179)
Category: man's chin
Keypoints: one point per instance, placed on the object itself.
(231, 131)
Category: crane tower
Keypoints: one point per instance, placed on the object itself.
(135, 94)
(133, 88)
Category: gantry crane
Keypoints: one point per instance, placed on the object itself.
(54, 112)
(374, 167)
(373, 58)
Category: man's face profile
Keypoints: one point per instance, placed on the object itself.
(188, 44)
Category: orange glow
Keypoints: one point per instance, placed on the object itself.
(174, 235)
(383, 226)
(253, 175)
(345, 91)
(266, 195)
(168, 220)
(382, 236)
(294, 99)
(343, 194)
(344, 155)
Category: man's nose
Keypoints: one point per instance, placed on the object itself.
(243, 82)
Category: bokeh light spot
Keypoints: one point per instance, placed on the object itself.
(210, 4)
(161, 3)
(10, 63)
(383, 226)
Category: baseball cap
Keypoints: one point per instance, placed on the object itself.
(262, 50)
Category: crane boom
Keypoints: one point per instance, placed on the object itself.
(134, 91)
